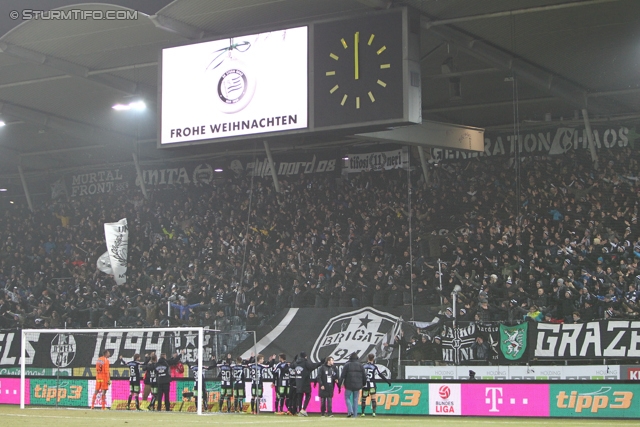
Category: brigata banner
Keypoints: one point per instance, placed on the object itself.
(592, 340)
(611, 400)
(335, 332)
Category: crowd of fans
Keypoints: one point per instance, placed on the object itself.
(562, 249)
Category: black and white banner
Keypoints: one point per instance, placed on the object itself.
(335, 332)
(117, 237)
(592, 340)
(377, 161)
(73, 350)
(473, 342)
(559, 140)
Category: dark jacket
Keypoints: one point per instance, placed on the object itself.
(162, 369)
(327, 378)
(303, 380)
(353, 376)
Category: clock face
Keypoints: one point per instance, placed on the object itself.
(358, 70)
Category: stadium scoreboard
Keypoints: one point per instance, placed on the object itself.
(343, 75)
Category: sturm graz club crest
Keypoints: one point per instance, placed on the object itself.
(63, 350)
(513, 341)
(362, 331)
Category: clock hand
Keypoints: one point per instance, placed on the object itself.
(356, 41)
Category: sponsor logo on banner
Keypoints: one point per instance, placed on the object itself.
(594, 400)
(63, 350)
(431, 372)
(513, 341)
(547, 142)
(377, 161)
(445, 399)
(609, 339)
(90, 372)
(35, 372)
(10, 391)
(362, 331)
(633, 374)
(64, 392)
(505, 400)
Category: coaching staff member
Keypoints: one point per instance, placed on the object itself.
(353, 379)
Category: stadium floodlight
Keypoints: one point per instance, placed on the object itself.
(3, 190)
(134, 105)
(218, 170)
(2, 123)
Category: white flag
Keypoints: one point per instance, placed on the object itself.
(58, 188)
(104, 263)
(117, 236)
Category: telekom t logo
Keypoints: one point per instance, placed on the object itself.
(493, 397)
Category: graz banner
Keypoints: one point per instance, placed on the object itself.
(559, 140)
(377, 161)
(592, 340)
(335, 332)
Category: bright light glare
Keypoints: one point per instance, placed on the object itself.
(217, 170)
(135, 105)
(3, 189)
(2, 123)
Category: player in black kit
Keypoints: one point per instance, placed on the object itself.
(226, 384)
(200, 377)
(239, 378)
(134, 380)
(369, 389)
(281, 383)
(258, 372)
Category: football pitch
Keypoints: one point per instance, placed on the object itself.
(29, 417)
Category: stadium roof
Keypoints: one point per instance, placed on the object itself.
(59, 79)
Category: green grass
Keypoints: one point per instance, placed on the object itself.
(31, 417)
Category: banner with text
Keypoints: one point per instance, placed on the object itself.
(553, 141)
(80, 351)
(592, 340)
(377, 161)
